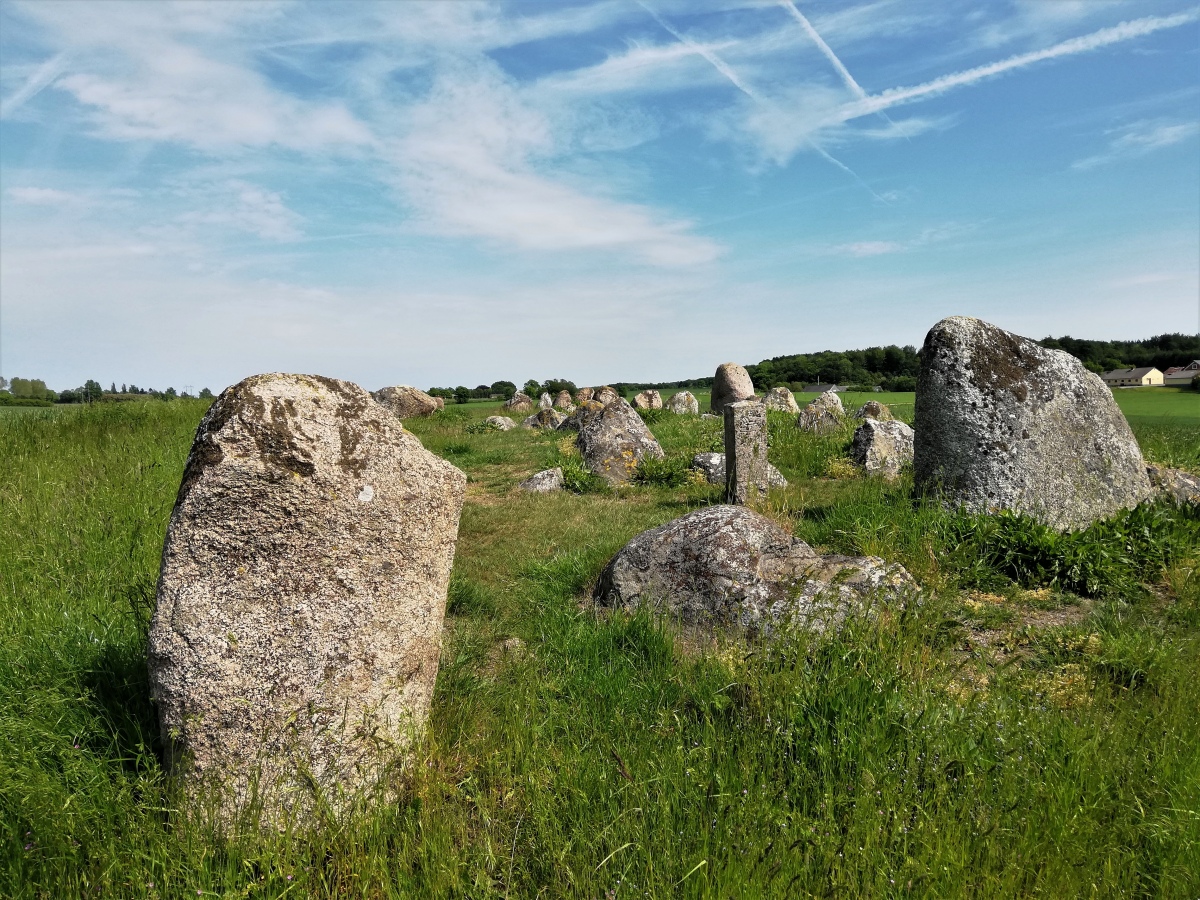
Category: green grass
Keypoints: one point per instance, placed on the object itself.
(1163, 405)
(615, 756)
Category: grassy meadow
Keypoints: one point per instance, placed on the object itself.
(1031, 729)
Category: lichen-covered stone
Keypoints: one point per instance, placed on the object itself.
(1005, 424)
(745, 451)
(648, 400)
(614, 442)
(712, 466)
(882, 448)
(298, 621)
(727, 565)
(1180, 486)
(823, 415)
(548, 419)
(781, 399)
(406, 402)
(683, 403)
(544, 482)
(519, 403)
(873, 409)
(585, 412)
(584, 394)
(545, 401)
(606, 395)
(500, 423)
(563, 401)
(730, 384)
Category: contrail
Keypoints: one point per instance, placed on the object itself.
(45, 73)
(825, 48)
(1094, 41)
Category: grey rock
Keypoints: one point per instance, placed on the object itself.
(440, 401)
(728, 565)
(585, 412)
(683, 403)
(500, 423)
(545, 482)
(780, 398)
(545, 401)
(563, 401)
(606, 395)
(730, 384)
(614, 442)
(712, 465)
(518, 403)
(544, 419)
(873, 409)
(710, 416)
(298, 620)
(745, 451)
(1181, 486)
(882, 448)
(1005, 424)
(648, 400)
(407, 402)
(823, 415)
(584, 394)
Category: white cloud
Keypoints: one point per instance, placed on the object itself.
(927, 236)
(246, 207)
(38, 196)
(1139, 139)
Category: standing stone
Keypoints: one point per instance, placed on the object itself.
(584, 394)
(712, 466)
(882, 448)
(500, 423)
(586, 411)
(823, 415)
(780, 398)
(518, 402)
(406, 402)
(746, 475)
(683, 403)
(873, 409)
(545, 482)
(731, 384)
(563, 400)
(1003, 423)
(298, 621)
(614, 442)
(440, 401)
(606, 395)
(648, 400)
(545, 419)
(545, 401)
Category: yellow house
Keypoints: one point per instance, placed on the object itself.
(1143, 377)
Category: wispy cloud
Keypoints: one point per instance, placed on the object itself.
(1139, 139)
(928, 236)
(39, 79)
(40, 196)
(245, 207)
(842, 71)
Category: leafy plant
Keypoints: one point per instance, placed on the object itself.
(672, 471)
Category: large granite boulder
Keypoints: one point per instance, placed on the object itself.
(614, 442)
(563, 401)
(683, 403)
(406, 402)
(606, 395)
(648, 400)
(1003, 423)
(1176, 484)
(781, 399)
(730, 384)
(545, 482)
(518, 403)
(500, 423)
(547, 419)
(584, 394)
(873, 409)
(823, 415)
(882, 448)
(728, 565)
(545, 401)
(712, 466)
(298, 621)
(585, 412)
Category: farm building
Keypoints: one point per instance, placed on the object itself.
(1182, 375)
(1145, 376)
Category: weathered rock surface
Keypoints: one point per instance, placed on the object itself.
(406, 402)
(614, 442)
(727, 565)
(298, 621)
(500, 423)
(780, 398)
(1003, 423)
(730, 384)
(713, 467)
(584, 394)
(544, 482)
(585, 412)
(882, 448)
(745, 451)
(606, 395)
(1181, 486)
(683, 403)
(519, 402)
(648, 400)
(823, 415)
(545, 401)
(545, 419)
(563, 400)
(873, 409)
(440, 401)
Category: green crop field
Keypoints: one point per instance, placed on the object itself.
(1030, 729)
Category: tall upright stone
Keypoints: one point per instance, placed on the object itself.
(1005, 424)
(650, 399)
(298, 621)
(730, 384)
(615, 441)
(683, 403)
(746, 471)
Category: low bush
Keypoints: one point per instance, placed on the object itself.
(673, 471)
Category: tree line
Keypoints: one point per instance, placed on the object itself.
(34, 392)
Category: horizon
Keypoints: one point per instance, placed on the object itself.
(193, 193)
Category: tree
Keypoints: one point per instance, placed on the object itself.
(462, 394)
(206, 394)
(3, 383)
(532, 388)
(553, 385)
(506, 389)
(91, 391)
(169, 394)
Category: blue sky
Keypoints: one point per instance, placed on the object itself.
(456, 192)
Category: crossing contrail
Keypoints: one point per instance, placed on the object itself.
(42, 76)
(824, 48)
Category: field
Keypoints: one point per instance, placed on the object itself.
(1029, 730)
